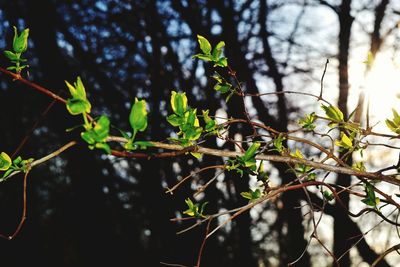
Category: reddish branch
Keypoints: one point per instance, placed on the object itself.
(23, 216)
(18, 77)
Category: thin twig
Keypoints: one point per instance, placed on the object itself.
(171, 190)
(380, 258)
(203, 243)
(44, 159)
(322, 79)
(23, 216)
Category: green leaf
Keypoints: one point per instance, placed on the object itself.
(143, 144)
(307, 122)
(344, 142)
(5, 161)
(222, 62)
(370, 59)
(251, 151)
(129, 145)
(77, 106)
(138, 116)
(174, 120)
(202, 207)
(8, 172)
(222, 87)
(210, 123)
(203, 57)
(220, 45)
(217, 51)
(359, 166)
(297, 154)
(97, 136)
(196, 155)
(178, 103)
(12, 56)
(20, 43)
(333, 113)
(370, 199)
(394, 124)
(193, 133)
(205, 45)
(252, 195)
(278, 143)
(17, 161)
(78, 90)
(78, 103)
(89, 137)
(191, 118)
(104, 146)
(246, 195)
(328, 195)
(102, 128)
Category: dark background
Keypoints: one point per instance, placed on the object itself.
(88, 209)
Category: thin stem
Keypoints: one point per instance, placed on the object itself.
(23, 216)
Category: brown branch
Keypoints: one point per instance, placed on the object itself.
(277, 158)
(17, 77)
(203, 243)
(23, 216)
(383, 255)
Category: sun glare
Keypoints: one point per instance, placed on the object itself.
(381, 86)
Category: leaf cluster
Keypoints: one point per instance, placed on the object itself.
(246, 163)
(8, 166)
(20, 45)
(209, 54)
(195, 210)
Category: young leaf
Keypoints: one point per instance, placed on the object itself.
(369, 60)
(333, 113)
(344, 142)
(328, 195)
(370, 198)
(222, 87)
(205, 45)
(210, 123)
(102, 128)
(103, 146)
(77, 106)
(222, 62)
(216, 54)
(394, 125)
(138, 116)
(5, 161)
(178, 103)
(11, 56)
(174, 120)
(278, 143)
(307, 122)
(20, 43)
(143, 144)
(359, 165)
(203, 57)
(252, 195)
(251, 151)
(297, 154)
(97, 136)
(78, 103)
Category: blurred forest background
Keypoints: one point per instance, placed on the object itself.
(89, 209)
